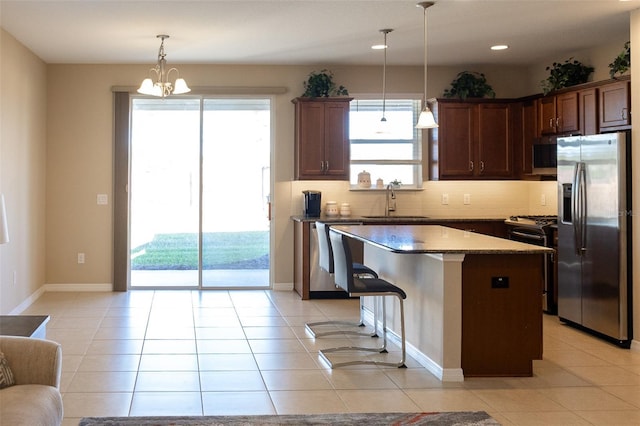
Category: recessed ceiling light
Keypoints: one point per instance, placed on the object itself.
(499, 47)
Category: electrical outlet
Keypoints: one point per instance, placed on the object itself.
(543, 199)
(80, 258)
(467, 199)
(445, 199)
(102, 199)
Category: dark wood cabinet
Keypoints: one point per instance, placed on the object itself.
(322, 138)
(614, 107)
(588, 111)
(501, 325)
(558, 114)
(456, 139)
(474, 140)
(525, 131)
(494, 138)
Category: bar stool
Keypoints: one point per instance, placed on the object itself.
(325, 261)
(361, 286)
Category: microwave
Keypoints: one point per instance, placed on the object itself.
(544, 159)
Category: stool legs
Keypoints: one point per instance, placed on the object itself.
(309, 326)
(382, 349)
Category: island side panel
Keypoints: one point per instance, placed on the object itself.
(301, 265)
(432, 307)
(501, 323)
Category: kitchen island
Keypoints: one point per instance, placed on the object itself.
(474, 302)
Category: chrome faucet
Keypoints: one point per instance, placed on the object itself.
(391, 200)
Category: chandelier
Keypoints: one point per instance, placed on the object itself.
(162, 87)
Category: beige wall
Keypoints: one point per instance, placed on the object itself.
(78, 110)
(22, 171)
(79, 156)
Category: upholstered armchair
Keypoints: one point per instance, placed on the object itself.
(35, 397)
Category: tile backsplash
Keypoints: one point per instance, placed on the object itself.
(466, 199)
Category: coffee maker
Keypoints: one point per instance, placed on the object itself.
(311, 207)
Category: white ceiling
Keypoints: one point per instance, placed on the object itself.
(312, 31)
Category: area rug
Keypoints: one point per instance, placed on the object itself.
(461, 418)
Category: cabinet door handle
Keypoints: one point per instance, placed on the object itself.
(470, 166)
(322, 166)
(624, 113)
(326, 165)
(481, 166)
(557, 121)
(551, 122)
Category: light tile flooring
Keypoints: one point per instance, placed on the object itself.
(246, 352)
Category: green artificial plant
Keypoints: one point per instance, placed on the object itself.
(622, 62)
(565, 74)
(469, 85)
(320, 85)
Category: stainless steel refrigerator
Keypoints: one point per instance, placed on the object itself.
(594, 234)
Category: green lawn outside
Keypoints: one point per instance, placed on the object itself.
(222, 250)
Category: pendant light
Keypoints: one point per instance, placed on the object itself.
(426, 119)
(162, 87)
(382, 127)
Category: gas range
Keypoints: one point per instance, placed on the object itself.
(532, 221)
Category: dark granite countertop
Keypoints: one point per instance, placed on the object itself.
(390, 219)
(435, 239)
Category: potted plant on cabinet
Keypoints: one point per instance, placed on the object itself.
(565, 74)
(320, 85)
(469, 85)
(622, 62)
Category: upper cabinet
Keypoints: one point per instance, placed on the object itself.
(474, 139)
(525, 132)
(588, 111)
(615, 104)
(558, 114)
(322, 138)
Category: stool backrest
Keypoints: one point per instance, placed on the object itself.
(342, 260)
(325, 254)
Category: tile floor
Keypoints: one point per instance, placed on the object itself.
(243, 352)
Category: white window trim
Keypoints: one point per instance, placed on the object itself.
(390, 96)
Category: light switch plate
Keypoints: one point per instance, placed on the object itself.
(467, 199)
(102, 199)
(445, 199)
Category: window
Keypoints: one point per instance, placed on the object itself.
(393, 153)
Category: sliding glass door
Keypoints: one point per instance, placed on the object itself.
(199, 190)
(235, 190)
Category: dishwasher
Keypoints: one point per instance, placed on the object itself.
(321, 283)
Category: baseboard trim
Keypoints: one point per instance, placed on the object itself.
(444, 374)
(27, 302)
(79, 287)
(282, 286)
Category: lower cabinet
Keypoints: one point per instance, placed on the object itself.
(501, 335)
(309, 280)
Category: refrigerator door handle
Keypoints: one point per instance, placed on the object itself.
(575, 220)
(582, 172)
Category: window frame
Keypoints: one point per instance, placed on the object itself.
(417, 162)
